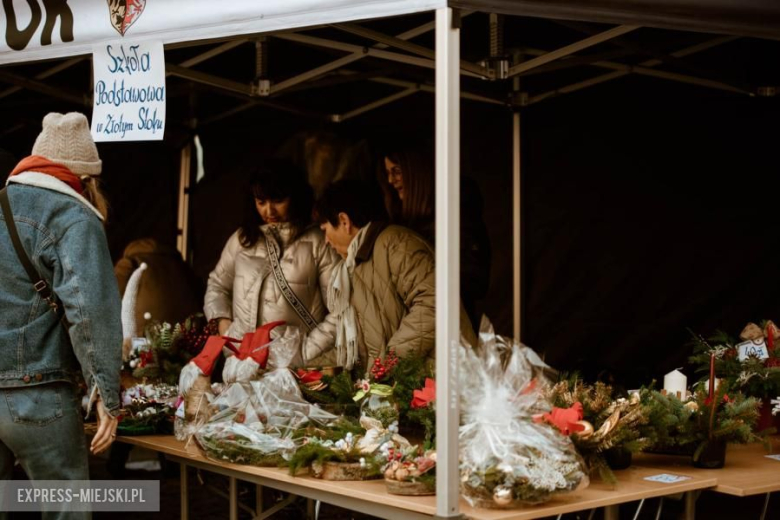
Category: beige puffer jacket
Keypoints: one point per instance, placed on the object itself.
(242, 286)
(394, 296)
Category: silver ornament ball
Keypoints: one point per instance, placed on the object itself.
(502, 496)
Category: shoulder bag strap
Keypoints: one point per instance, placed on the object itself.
(39, 284)
(299, 308)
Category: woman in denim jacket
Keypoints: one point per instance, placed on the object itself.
(59, 213)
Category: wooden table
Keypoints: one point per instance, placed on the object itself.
(371, 497)
(748, 470)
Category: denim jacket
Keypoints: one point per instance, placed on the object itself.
(65, 240)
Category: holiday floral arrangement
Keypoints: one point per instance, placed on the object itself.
(252, 444)
(255, 421)
(332, 391)
(410, 472)
(703, 425)
(147, 409)
(506, 457)
(375, 394)
(600, 427)
(167, 348)
(388, 392)
(345, 450)
(668, 424)
(750, 365)
(422, 411)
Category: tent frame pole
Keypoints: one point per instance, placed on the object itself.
(346, 60)
(517, 271)
(404, 45)
(428, 88)
(370, 51)
(185, 169)
(447, 260)
(644, 66)
(571, 49)
(45, 74)
(339, 118)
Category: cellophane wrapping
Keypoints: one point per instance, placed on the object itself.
(256, 420)
(506, 458)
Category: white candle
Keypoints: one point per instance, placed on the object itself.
(675, 381)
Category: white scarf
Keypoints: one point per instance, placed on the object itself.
(339, 296)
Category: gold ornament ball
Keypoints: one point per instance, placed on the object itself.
(502, 496)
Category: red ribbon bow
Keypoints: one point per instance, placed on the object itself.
(308, 376)
(254, 345)
(565, 419)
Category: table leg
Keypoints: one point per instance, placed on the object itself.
(185, 506)
(233, 498)
(276, 508)
(258, 499)
(766, 506)
(690, 504)
(612, 512)
(309, 509)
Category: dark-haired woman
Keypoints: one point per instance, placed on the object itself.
(277, 265)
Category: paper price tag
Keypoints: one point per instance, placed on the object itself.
(775, 457)
(749, 349)
(666, 478)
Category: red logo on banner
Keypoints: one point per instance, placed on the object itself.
(124, 13)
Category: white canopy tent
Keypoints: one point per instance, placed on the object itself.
(31, 34)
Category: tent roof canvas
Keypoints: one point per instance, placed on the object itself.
(78, 25)
(31, 33)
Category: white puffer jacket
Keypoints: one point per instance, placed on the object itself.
(242, 286)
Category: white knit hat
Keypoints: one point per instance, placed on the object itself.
(66, 139)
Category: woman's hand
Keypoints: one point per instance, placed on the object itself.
(224, 325)
(106, 432)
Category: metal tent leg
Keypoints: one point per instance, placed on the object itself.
(639, 509)
(660, 508)
(447, 259)
(766, 507)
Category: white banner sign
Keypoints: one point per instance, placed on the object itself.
(129, 91)
(45, 29)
